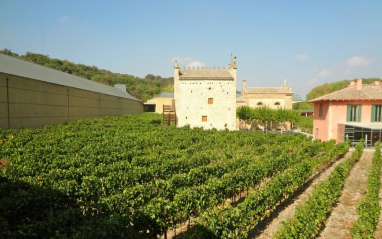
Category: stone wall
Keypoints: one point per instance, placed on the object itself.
(269, 100)
(193, 105)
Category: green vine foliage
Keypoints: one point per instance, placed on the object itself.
(266, 114)
(129, 177)
(236, 222)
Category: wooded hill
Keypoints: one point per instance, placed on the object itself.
(333, 86)
(141, 88)
(326, 89)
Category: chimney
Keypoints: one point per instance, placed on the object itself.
(351, 84)
(358, 84)
(244, 86)
(378, 83)
(121, 87)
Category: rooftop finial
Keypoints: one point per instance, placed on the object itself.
(234, 62)
(176, 64)
(285, 83)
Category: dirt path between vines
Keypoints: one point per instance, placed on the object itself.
(268, 228)
(344, 214)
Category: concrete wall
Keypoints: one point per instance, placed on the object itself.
(32, 103)
(3, 103)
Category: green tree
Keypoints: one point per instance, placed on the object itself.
(137, 87)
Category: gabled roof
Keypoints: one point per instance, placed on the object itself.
(166, 95)
(240, 98)
(205, 74)
(267, 90)
(367, 92)
(296, 98)
(13, 66)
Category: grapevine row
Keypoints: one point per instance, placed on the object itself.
(227, 221)
(310, 216)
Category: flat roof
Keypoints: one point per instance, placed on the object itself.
(365, 125)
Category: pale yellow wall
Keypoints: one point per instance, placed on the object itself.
(34, 103)
(268, 100)
(3, 103)
(159, 102)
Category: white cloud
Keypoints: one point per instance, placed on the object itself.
(312, 81)
(196, 64)
(325, 73)
(358, 61)
(302, 57)
(188, 62)
(183, 60)
(65, 19)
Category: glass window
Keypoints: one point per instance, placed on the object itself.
(376, 113)
(354, 113)
(320, 110)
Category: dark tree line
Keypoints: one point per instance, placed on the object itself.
(141, 88)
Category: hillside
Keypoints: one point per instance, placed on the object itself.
(333, 86)
(326, 89)
(141, 88)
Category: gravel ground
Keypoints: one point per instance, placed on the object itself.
(344, 214)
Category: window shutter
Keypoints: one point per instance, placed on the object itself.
(372, 113)
(359, 112)
(348, 113)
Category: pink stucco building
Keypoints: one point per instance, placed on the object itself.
(351, 113)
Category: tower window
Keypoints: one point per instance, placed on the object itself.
(204, 118)
(210, 101)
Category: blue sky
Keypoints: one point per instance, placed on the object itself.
(309, 43)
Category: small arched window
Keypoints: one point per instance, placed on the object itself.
(277, 103)
(260, 104)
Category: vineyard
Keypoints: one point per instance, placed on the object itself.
(129, 177)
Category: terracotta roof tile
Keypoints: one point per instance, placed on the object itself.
(240, 98)
(267, 90)
(368, 92)
(205, 74)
